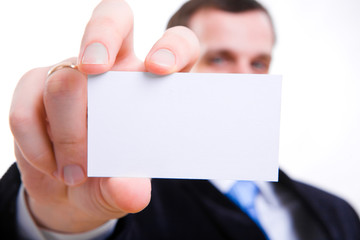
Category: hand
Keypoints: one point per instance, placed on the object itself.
(48, 121)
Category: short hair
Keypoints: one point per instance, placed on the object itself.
(188, 9)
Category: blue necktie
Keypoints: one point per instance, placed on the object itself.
(243, 194)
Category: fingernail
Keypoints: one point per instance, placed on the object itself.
(73, 174)
(95, 53)
(164, 58)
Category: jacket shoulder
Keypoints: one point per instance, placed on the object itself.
(332, 211)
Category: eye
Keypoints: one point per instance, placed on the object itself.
(260, 66)
(216, 60)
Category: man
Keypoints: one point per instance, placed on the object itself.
(48, 120)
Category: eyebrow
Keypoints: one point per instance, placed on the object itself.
(229, 54)
(264, 56)
(222, 52)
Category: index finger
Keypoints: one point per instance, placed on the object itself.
(108, 36)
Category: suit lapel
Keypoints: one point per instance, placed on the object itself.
(313, 200)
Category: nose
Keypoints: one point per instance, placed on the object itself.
(242, 66)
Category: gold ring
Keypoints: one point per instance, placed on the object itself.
(61, 66)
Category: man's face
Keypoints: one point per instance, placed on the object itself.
(233, 42)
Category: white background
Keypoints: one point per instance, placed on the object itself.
(317, 52)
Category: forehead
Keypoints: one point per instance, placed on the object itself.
(251, 31)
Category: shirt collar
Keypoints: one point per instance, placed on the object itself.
(266, 189)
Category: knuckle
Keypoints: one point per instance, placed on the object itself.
(62, 82)
(187, 39)
(111, 14)
(39, 158)
(70, 141)
(184, 33)
(25, 103)
(32, 78)
(102, 22)
(72, 148)
(56, 85)
(20, 121)
(108, 26)
(34, 73)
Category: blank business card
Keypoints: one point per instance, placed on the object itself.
(184, 125)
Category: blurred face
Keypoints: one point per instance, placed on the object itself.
(233, 42)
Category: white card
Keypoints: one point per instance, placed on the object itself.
(184, 125)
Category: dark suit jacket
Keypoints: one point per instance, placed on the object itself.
(195, 209)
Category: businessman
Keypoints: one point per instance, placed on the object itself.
(47, 194)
